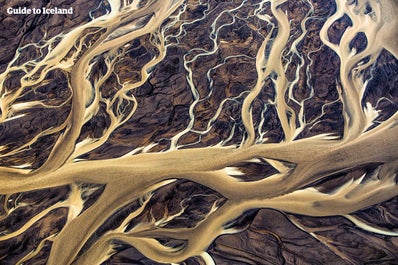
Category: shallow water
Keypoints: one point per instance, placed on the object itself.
(199, 132)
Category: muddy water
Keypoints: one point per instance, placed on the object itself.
(244, 104)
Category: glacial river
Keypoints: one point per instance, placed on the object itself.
(167, 122)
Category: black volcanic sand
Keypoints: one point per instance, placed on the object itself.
(267, 236)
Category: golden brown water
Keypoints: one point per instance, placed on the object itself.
(92, 53)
